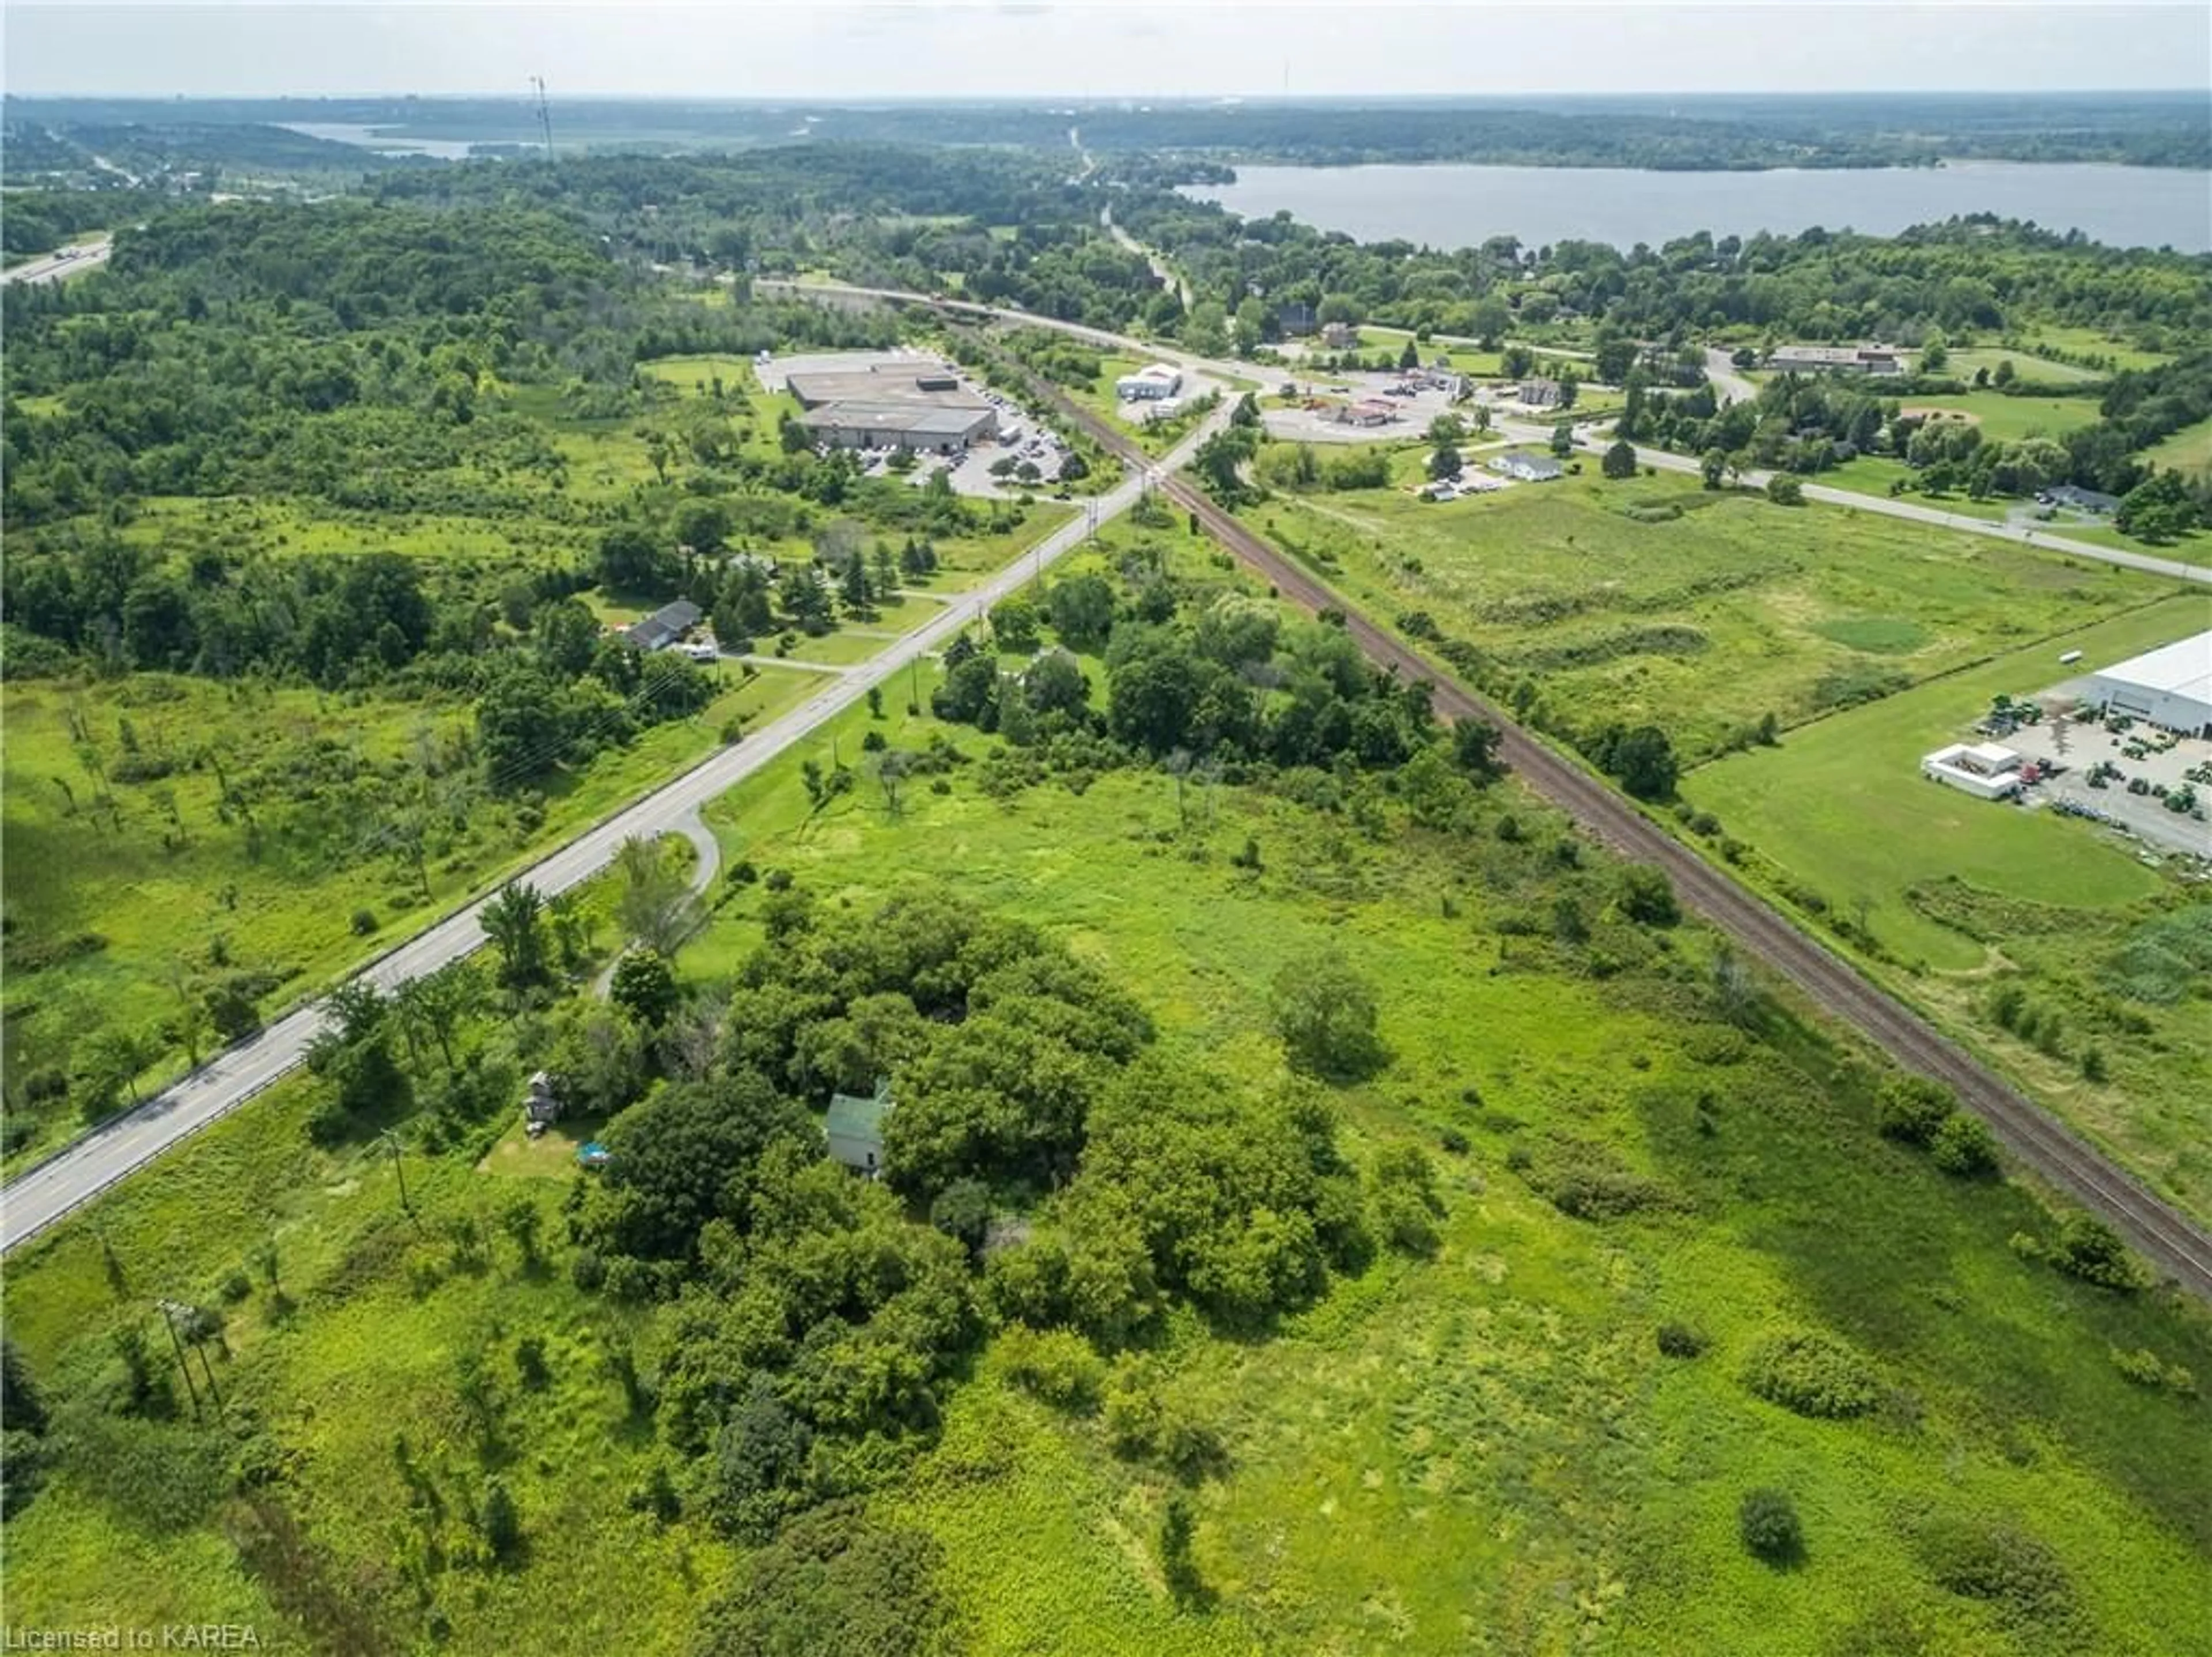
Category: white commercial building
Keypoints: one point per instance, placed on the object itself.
(1153, 381)
(2170, 687)
(1981, 769)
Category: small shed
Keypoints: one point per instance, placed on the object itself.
(855, 1129)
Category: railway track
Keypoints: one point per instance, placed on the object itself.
(2172, 1242)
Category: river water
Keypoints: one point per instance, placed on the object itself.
(1457, 206)
(370, 138)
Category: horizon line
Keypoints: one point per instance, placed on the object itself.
(1033, 99)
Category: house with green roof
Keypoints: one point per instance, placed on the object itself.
(855, 1128)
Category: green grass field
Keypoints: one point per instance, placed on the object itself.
(1964, 364)
(1705, 613)
(2188, 449)
(2006, 419)
(2092, 342)
(1482, 1450)
(179, 894)
(1840, 809)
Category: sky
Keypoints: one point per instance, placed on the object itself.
(823, 50)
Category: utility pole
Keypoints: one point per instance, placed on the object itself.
(168, 1310)
(392, 1143)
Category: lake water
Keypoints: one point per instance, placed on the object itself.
(369, 137)
(1455, 206)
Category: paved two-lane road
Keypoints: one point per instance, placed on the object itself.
(82, 1170)
(62, 262)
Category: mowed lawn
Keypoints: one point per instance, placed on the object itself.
(1840, 810)
(1842, 805)
(2188, 449)
(2006, 419)
(1701, 612)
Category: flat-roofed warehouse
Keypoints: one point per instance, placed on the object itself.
(2170, 687)
(914, 379)
(931, 427)
(901, 404)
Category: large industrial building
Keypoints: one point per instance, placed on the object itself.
(2170, 687)
(900, 403)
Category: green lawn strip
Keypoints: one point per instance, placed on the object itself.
(2188, 449)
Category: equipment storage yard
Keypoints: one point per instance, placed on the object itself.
(2161, 761)
(1322, 405)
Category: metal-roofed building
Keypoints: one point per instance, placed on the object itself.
(2170, 687)
(854, 1128)
(934, 428)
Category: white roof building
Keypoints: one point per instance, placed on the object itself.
(1981, 768)
(2170, 687)
(1153, 380)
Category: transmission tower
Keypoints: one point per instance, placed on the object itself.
(544, 115)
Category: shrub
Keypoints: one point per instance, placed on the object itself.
(1999, 1563)
(742, 873)
(587, 1271)
(530, 1363)
(2091, 1249)
(1453, 1141)
(1325, 1013)
(364, 923)
(1964, 1146)
(501, 1520)
(1767, 1521)
(236, 1287)
(1912, 1109)
(1811, 1374)
(1647, 895)
(1680, 1340)
(1056, 1365)
(2144, 1368)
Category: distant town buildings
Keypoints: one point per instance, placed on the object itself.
(1542, 394)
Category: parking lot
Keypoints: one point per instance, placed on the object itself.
(1411, 408)
(2079, 745)
(1019, 438)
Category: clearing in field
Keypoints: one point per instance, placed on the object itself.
(1654, 601)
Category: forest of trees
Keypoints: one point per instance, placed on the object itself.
(1708, 132)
